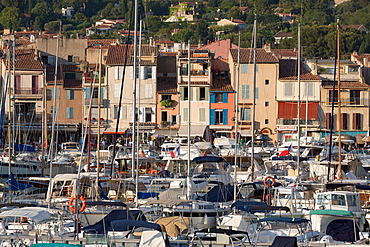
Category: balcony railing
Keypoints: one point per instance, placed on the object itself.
(28, 91)
(95, 102)
(356, 101)
(184, 71)
(295, 122)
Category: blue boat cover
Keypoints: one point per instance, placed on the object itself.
(244, 205)
(104, 225)
(13, 185)
(55, 245)
(23, 148)
(284, 219)
(220, 193)
(146, 195)
(362, 187)
(127, 225)
(203, 159)
(343, 230)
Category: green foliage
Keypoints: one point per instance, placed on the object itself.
(166, 103)
(53, 25)
(11, 17)
(42, 14)
(184, 35)
(235, 13)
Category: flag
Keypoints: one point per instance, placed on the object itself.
(287, 152)
(177, 151)
(172, 153)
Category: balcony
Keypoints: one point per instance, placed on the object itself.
(194, 72)
(356, 101)
(95, 102)
(28, 92)
(294, 122)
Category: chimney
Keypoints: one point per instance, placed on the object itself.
(151, 41)
(267, 47)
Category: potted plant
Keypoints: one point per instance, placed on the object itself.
(166, 103)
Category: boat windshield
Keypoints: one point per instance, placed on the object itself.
(281, 168)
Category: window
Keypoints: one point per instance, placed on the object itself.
(54, 111)
(266, 103)
(123, 112)
(70, 94)
(186, 93)
(166, 97)
(219, 116)
(148, 72)
(70, 75)
(219, 97)
(35, 84)
(288, 89)
(344, 121)
(354, 97)
(328, 119)
(69, 112)
(202, 93)
(164, 115)
(266, 121)
(267, 82)
(352, 69)
(333, 93)
(70, 58)
(173, 119)
(148, 115)
(357, 121)
(148, 91)
(245, 114)
(245, 91)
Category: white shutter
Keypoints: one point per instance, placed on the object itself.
(154, 72)
(142, 72)
(131, 72)
(148, 91)
(118, 72)
(117, 90)
(288, 89)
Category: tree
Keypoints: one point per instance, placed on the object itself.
(235, 13)
(11, 17)
(184, 35)
(42, 14)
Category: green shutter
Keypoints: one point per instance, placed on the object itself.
(207, 93)
(87, 93)
(185, 116)
(202, 114)
(191, 93)
(197, 94)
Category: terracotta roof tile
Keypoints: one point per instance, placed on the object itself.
(166, 85)
(25, 59)
(164, 41)
(95, 43)
(195, 82)
(284, 34)
(346, 84)
(288, 71)
(246, 56)
(280, 53)
(117, 54)
(221, 84)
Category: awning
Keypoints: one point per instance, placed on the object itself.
(245, 132)
(163, 133)
(289, 110)
(195, 130)
(112, 131)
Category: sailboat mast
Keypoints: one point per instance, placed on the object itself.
(188, 170)
(236, 121)
(299, 99)
(339, 110)
(98, 139)
(254, 92)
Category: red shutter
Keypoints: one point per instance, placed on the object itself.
(328, 120)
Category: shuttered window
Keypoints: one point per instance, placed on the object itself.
(202, 114)
(357, 121)
(69, 112)
(245, 91)
(288, 89)
(344, 121)
(328, 120)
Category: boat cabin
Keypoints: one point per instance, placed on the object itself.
(338, 200)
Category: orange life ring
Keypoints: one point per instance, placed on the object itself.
(154, 172)
(79, 197)
(272, 181)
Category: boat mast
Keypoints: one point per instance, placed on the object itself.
(299, 99)
(339, 110)
(98, 139)
(236, 120)
(189, 161)
(9, 121)
(254, 92)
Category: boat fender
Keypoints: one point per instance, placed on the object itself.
(79, 197)
(271, 184)
(154, 172)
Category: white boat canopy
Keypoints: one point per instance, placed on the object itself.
(36, 214)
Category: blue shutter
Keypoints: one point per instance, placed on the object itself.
(213, 98)
(245, 91)
(257, 68)
(225, 116)
(87, 93)
(101, 92)
(244, 68)
(69, 112)
(256, 93)
(54, 93)
(225, 95)
(212, 117)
